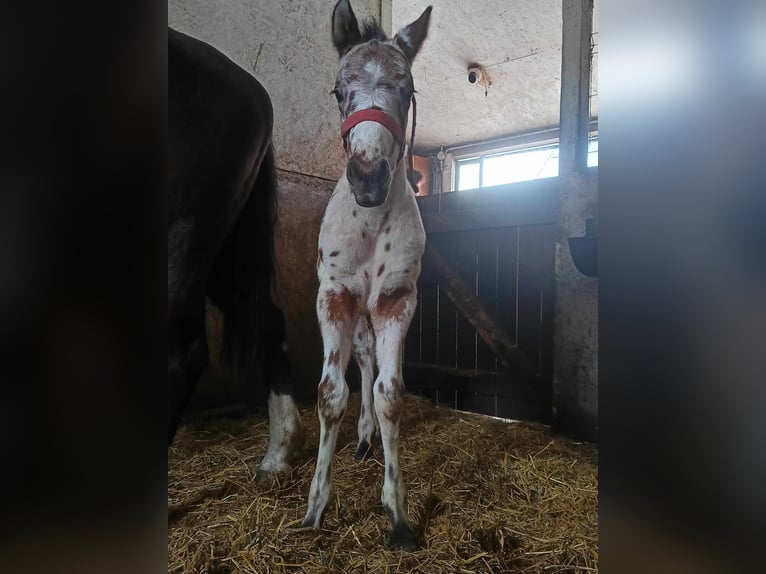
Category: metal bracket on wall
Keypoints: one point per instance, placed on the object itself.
(584, 249)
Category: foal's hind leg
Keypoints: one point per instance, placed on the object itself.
(364, 355)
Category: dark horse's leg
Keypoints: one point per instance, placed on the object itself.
(187, 359)
(254, 327)
(285, 427)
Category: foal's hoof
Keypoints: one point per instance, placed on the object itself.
(313, 520)
(363, 451)
(268, 471)
(264, 476)
(402, 538)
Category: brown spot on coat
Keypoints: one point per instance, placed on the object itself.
(321, 254)
(391, 304)
(380, 270)
(364, 235)
(330, 421)
(334, 253)
(388, 229)
(366, 275)
(353, 213)
(341, 305)
(334, 358)
(323, 393)
(388, 247)
(395, 401)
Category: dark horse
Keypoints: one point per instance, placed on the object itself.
(222, 210)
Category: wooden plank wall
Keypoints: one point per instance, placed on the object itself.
(501, 242)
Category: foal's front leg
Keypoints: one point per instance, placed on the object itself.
(391, 319)
(337, 312)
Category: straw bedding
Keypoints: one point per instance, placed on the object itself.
(484, 495)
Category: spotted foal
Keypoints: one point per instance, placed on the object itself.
(370, 245)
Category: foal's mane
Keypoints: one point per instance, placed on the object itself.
(371, 30)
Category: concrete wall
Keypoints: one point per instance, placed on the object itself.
(287, 45)
(575, 369)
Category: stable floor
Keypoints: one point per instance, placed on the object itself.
(485, 496)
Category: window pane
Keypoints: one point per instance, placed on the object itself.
(592, 153)
(468, 176)
(520, 166)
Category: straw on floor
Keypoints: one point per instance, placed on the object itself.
(484, 495)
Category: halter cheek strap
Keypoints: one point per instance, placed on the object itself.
(382, 118)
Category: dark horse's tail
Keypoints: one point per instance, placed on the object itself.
(253, 326)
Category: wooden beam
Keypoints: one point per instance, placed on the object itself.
(499, 394)
(511, 357)
(501, 383)
(481, 219)
(574, 110)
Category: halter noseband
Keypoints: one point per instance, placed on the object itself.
(388, 122)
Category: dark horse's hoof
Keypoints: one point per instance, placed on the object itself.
(363, 451)
(402, 538)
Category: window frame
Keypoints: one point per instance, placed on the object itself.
(524, 142)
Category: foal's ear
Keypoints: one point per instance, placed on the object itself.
(345, 28)
(410, 38)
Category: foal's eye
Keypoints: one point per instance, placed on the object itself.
(338, 95)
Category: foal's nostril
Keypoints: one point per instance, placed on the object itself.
(352, 170)
(380, 172)
(357, 172)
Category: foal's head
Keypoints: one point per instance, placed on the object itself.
(374, 75)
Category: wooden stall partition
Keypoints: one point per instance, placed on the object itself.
(481, 338)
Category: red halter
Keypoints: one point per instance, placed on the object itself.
(381, 117)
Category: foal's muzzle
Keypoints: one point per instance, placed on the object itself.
(369, 180)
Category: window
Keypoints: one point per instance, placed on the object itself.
(593, 153)
(509, 167)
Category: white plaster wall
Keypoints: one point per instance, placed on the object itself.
(518, 42)
(286, 44)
